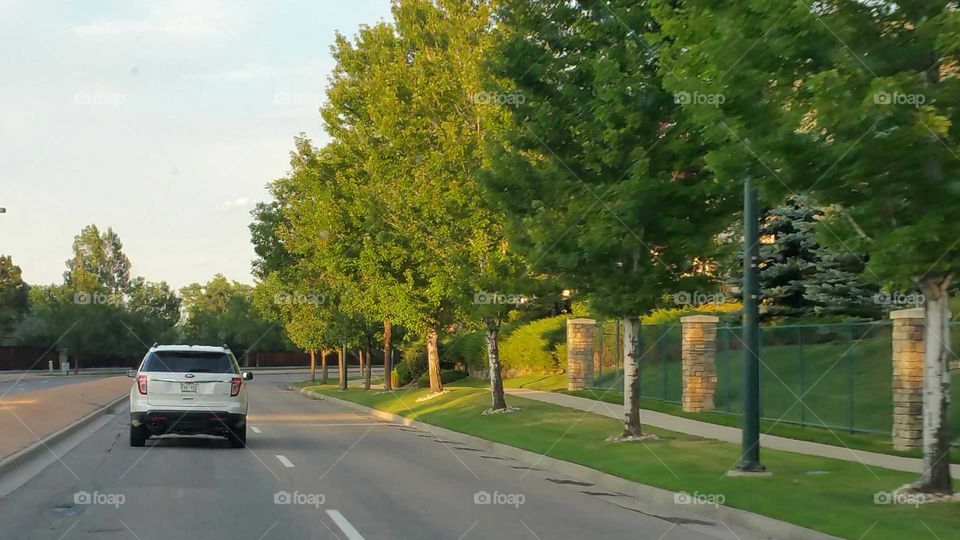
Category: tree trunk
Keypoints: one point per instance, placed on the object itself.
(323, 366)
(936, 386)
(433, 361)
(313, 366)
(493, 359)
(342, 366)
(360, 359)
(631, 377)
(367, 375)
(387, 354)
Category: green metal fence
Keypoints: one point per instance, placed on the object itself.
(833, 375)
(660, 361)
(836, 376)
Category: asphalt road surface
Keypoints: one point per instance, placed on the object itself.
(312, 469)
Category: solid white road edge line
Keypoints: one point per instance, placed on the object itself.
(286, 462)
(345, 526)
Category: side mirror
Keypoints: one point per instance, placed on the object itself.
(131, 373)
(247, 375)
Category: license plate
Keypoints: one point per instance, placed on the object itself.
(188, 387)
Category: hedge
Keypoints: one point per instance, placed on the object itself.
(536, 347)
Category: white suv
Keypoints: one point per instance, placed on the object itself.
(189, 390)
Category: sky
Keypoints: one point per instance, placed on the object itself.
(163, 119)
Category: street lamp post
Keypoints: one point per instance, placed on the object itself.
(750, 451)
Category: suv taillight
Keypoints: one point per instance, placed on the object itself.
(235, 383)
(142, 384)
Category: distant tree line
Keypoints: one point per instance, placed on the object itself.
(101, 311)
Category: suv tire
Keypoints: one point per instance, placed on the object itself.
(238, 437)
(138, 435)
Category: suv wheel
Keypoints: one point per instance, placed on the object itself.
(138, 435)
(238, 437)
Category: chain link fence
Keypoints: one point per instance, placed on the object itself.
(836, 376)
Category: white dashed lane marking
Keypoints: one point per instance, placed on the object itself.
(286, 462)
(255, 429)
(345, 526)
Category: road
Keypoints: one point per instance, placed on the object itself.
(11, 385)
(350, 475)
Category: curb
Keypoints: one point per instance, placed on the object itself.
(661, 497)
(25, 454)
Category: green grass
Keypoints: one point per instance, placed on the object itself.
(870, 442)
(832, 496)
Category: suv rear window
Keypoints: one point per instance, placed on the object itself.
(189, 362)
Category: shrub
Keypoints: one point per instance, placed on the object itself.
(536, 347)
(403, 374)
(729, 313)
(471, 349)
(446, 376)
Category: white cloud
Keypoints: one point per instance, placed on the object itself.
(239, 202)
(172, 18)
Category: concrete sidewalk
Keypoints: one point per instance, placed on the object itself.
(30, 417)
(728, 434)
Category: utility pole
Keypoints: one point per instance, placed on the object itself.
(750, 451)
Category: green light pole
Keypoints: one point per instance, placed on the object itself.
(750, 454)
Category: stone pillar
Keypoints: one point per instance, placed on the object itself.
(699, 362)
(580, 353)
(908, 369)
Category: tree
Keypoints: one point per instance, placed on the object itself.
(98, 262)
(788, 257)
(403, 111)
(222, 312)
(155, 310)
(859, 113)
(600, 176)
(14, 302)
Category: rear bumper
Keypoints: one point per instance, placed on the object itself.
(188, 422)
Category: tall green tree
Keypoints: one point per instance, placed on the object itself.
(601, 178)
(222, 312)
(860, 114)
(154, 309)
(14, 301)
(98, 262)
(405, 114)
